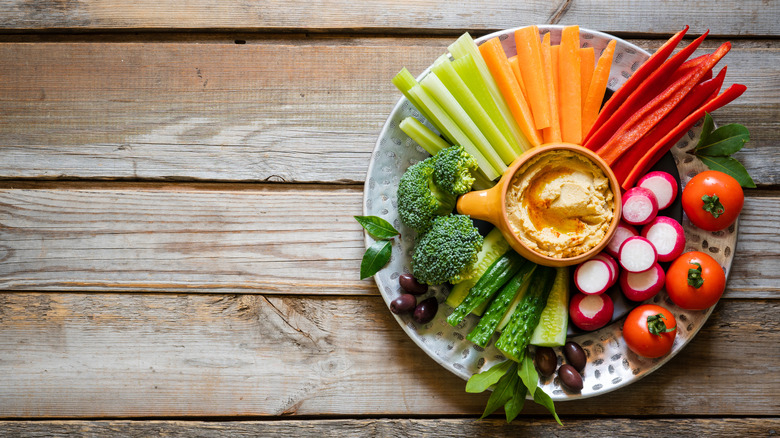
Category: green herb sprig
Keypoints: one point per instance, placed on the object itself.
(378, 254)
(716, 146)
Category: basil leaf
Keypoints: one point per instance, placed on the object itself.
(724, 141)
(513, 407)
(377, 227)
(543, 399)
(528, 374)
(706, 128)
(503, 392)
(375, 258)
(731, 167)
(484, 380)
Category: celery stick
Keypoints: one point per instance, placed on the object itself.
(433, 85)
(404, 81)
(422, 135)
(418, 92)
(465, 97)
(465, 45)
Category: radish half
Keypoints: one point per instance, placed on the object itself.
(663, 186)
(613, 266)
(667, 236)
(639, 206)
(637, 254)
(623, 232)
(591, 312)
(593, 277)
(639, 286)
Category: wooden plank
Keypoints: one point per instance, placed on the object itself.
(151, 355)
(289, 109)
(348, 428)
(239, 238)
(747, 18)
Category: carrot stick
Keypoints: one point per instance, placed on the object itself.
(529, 51)
(700, 94)
(637, 78)
(569, 81)
(597, 87)
(553, 132)
(654, 83)
(499, 67)
(515, 64)
(662, 146)
(555, 57)
(587, 64)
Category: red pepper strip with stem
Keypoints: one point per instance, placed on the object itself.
(666, 143)
(642, 72)
(701, 93)
(651, 114)
(644, 92)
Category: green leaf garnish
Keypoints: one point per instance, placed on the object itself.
(513, 407)
(377, 227)
(375, 258)
(484, 380)
(694, 276)
(715, 147)
(503, 392)
(543, 399)
(528, 374)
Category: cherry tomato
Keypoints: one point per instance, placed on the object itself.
(695, 281)
(649, 330)
(712, 200)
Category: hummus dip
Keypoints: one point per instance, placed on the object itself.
(560, 204)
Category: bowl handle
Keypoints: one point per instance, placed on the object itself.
(483, 204)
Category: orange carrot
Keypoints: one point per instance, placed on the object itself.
(569, 81)
(554, 57)
(597, 87)
(529, 51)
(587, 64)
(515, 64)
(499, 67)
(553, 133)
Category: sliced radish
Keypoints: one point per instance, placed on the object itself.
(667, 236)
(592, 277)
(623, 232)
(613, 266)
(663, 186)
(591, 312)
(639, 286)
(637, 254)
(639, 206)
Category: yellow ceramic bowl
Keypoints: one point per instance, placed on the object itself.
(490, 205)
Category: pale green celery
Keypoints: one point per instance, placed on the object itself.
(404, 81)
(433, 85)
(481, 181)
(419, 93)
(473, 108)
(422, 135)
(465, 45)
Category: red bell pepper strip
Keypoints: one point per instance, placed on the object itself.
(687, 66)
(651, 114)
(666, 143)
(643, 93)
(701, 93)
(639, 75)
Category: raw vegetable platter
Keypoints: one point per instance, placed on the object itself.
(611, 364)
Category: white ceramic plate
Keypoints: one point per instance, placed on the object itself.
(611, 364)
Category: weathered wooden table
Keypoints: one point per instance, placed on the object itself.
(177, 186)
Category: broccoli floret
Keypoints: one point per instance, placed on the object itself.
(449, 249)
(452, 170)
(420, 200)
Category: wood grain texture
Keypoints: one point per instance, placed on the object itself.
(150, 355)
(261, 238)
(282, 109)
(392, 428)
(750, 17)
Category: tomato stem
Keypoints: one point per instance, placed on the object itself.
(694, 276)
(657, 326)
(712, 205)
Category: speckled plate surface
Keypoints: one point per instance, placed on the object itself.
(611, 364)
